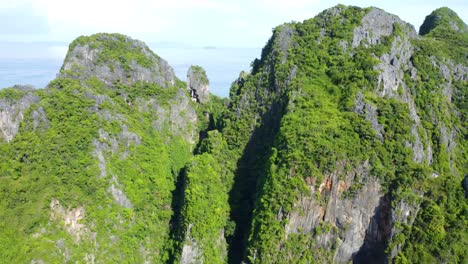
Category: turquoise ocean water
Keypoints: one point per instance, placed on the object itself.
(37, 64)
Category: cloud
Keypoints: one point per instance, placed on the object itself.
(199, 22)
(17, 19)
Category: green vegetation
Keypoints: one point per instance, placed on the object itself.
(442, 19)
(200, 72)
(116, 48)
(140, 173)
(206, 208)
(11, 94)
(59, 164)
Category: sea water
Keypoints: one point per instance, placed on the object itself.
(37, 64)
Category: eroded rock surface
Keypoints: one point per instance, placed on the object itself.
(198, 84)
(91, 57)
(12, 112)
(377, 24)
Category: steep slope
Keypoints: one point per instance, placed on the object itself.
(356, 149)
(116, 58)
(442, 19)
(346, 142)
(88, 165)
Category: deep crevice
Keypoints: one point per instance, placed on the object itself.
(250, 170)
(377, 235)
(176, 224)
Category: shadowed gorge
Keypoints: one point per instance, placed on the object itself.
(346, 142)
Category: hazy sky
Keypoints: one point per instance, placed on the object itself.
(245, 23)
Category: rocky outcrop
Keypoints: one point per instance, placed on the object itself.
(285, 33)
(198, 84)
(377, 24)
(349, 213)
(115, 58)
(391, 83)
(119, 196)
(393, 65)
(108, 144)
(370, 112)
(190, 250)
(12, 112)
(71, 218)
(179, 117)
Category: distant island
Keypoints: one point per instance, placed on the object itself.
(344, 142)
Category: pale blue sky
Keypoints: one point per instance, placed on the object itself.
(234, 23)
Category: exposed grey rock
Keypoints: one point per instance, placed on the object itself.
(447, 138)
(71, 218)
(61, 246)
(179, 117)
(382, 229)
(371, 116)
(12, 113)
(101, 146)
(292, 75)
(450, 71)
(344, 45)
(350, 215)
(370, 112)
(284, 40)
(416, 145)
(190, 251)
(39, 118)
(198, 84)
(108, 143)
(333, 11)
(392, 66)
(183, 118)
(391, 83)
(89, 258)
(84, 61)
(377, 24)
(460, 72)
(118, 195)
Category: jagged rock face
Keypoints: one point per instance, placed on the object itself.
(94, 57)
(198, 84)
(12, 113)
(370, 112)
(377, 24)
(365, 227)
(392, 68)
(284, 41)
(180, 117)
(351, 216)
(71, 218)
(190, 251)
(101, 147)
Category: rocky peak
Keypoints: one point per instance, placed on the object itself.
(377, 24)
(198, 84)
(442, 18)
(14, 103)
(115, 58)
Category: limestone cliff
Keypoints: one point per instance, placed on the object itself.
(198, 84)
(101, 148)
(348, 67)
(116, 58)
(346, 142)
